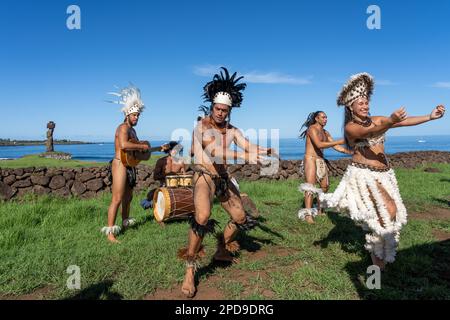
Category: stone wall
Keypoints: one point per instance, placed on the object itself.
(90, 182)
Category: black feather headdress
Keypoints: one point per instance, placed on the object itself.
(223, 83)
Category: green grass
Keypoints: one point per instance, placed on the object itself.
(41, 237)
(36, 161)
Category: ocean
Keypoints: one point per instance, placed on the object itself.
(290, 149)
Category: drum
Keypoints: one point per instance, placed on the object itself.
(185, 180)
(172, 181)
(179, 180)
(173, 203)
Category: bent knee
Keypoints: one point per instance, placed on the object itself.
(202, 219)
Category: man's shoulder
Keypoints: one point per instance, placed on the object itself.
(312, 129)
(231, 127)
(204, 123)
(122, 126)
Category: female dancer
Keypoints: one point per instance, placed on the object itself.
(368, 190)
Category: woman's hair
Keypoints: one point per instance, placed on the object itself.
(348, 116)
(309, 122)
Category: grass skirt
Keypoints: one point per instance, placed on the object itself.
(352, 196)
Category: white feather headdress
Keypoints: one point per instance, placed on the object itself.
(130, 98)
(359, 85)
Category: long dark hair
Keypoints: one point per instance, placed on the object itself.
(309, 122)
(348, 116)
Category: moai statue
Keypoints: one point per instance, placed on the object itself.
(50, 126)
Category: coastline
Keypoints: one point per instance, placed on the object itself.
(24, 143)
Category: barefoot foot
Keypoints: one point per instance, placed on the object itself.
(188, 287)
(112, 238)
(309, 219)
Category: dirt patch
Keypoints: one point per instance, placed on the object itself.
(209, 289)
(432, 214)
(206, 290)
(441, 235)
(39, 294)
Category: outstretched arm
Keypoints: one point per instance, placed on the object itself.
(355, 131)
(338, 148)
(243, 143)
(313, 133)
(206, 146)
(437, 113)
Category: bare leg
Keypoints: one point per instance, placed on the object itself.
(233, 205)
(203, 195)
(392, 210)
(324, 185)
(126, 202)
(310, 177)
(118, 191)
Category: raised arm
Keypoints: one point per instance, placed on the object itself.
(313, 134)
(437, 113)
(126, 145)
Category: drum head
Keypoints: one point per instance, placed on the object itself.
(159, 206)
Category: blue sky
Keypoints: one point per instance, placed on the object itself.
(295, 55)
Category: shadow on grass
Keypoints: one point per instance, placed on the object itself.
(345, 232)
(96, 292)
(419, 272)
(246, 242)
(442, 201)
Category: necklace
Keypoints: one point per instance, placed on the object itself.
(365, 123)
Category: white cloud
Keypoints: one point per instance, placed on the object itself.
(206, 70)
(385, 83)
(254, 76)
(445, 85)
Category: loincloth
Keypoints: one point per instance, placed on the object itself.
(221, 182)
(131, 174)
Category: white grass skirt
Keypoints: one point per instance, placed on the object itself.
(352, 196)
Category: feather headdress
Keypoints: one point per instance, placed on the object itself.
(130, 98)
(224, 89)
(359, 85)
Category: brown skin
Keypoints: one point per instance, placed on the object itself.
(317, 138)
(211, 147)
(374, 155)
(168, 165)
(122, 194)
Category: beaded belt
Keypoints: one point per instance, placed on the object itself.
(372, 168)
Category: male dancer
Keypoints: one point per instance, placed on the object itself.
(212, 138)
(316, 171)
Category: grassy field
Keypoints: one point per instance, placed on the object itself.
(282, 259)
(36, 161)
